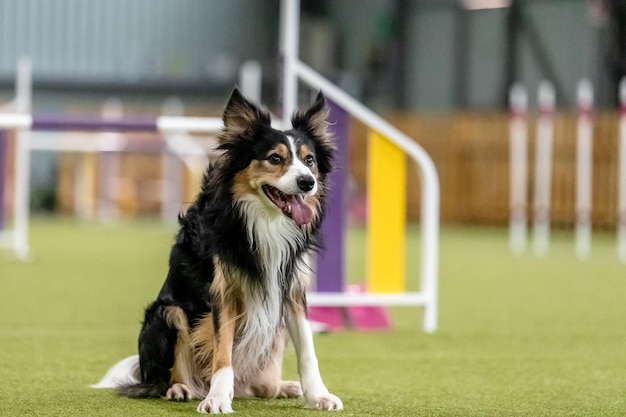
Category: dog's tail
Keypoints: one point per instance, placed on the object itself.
(125, 377)
(124, 373)
(143, 390)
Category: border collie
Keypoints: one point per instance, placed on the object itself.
(237, 271)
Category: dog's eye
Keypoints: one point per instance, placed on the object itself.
(309, 160)
(274, 159)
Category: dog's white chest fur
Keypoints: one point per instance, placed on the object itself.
(275, 238)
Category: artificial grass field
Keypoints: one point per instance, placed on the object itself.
(517, 337)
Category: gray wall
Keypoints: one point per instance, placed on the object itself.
(130, 39)
(571, 41)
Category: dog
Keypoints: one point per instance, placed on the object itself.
(236, 286)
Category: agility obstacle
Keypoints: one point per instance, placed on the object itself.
(388, 149)
(518, 99)
(543, 170)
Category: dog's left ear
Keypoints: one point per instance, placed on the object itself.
(241, 117)
(313, 120)
(313, 123)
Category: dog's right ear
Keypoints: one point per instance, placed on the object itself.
(241, 117)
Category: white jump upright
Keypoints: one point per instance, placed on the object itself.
(109, 163)
(518, 157)
(294, 70)
(21, 198)
(621, 181)
(584, 166)
(543, 168)
(171, 197)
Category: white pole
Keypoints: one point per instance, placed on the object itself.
(251, 80)
(518, 156)
(430, 183)
(543, 168)
(621, 183)
(22, 162)
(172, 176)
(112, 109)
(289, 38)
(584, 153)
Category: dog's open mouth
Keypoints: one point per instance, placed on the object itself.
(292, 206)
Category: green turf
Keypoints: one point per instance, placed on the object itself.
(517, 337)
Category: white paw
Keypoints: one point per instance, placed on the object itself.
(179, 392)
(215, 405)
(289, 389)
(325, 402)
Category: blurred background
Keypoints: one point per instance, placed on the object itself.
(440, 70)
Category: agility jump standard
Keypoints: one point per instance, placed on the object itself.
(385, 285)
(24, 123)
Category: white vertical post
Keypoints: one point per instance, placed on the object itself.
(518, 157)
(543, 168)
(289, 38)
(584, 153)
(621, 182)
(172, 175)
(108, 174)
(23, 104)
(251, 80)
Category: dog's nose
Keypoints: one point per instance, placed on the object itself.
(306, 183)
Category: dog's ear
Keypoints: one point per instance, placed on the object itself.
(313, 120)
(313, 123)
(241, 117)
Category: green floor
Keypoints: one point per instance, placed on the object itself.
(517, 337)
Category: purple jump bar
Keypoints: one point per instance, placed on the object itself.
(98, 125)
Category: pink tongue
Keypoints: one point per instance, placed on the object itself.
(301, 213)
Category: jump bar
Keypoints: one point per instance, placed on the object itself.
(157, 124)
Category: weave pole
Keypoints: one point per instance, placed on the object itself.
(331, 264)
(621, 182)
(584, 154)
(543, 169)
(518, 157)
(386, 216)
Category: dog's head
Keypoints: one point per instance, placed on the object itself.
(283, 170)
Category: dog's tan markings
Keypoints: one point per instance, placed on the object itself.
(242, 183)
(248, 180)
(181, 374)
(296, 296)
(225, 296)
(202, 343)
(303, 152)
(284, 152)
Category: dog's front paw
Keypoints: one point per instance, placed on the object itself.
(179, 392)
(215, 405)
(325, 402)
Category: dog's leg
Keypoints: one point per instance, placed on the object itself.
(220, 396)
(315, 392)
(184, 386)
